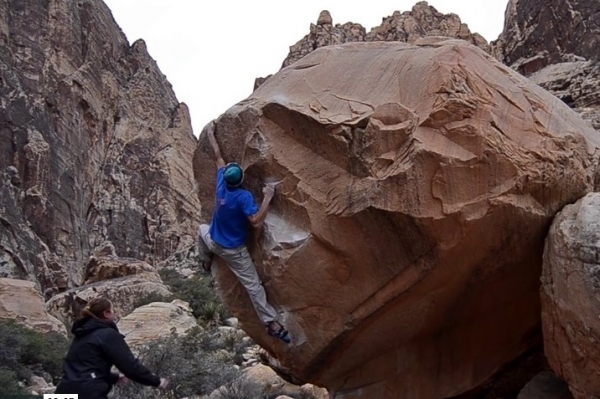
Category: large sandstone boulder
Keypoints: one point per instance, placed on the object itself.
(94, 146)
(416, 184)
(124, 292)
(20, 301)
(571, 296)
(156, 320)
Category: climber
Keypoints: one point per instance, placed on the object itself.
(96, 347)
(234, 210)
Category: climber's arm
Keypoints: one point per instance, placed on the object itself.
(215, 145)
(257, 219)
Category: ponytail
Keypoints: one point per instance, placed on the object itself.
(95, 308)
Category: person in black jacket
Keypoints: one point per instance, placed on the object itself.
(96, 347)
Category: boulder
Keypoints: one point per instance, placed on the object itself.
(414, 192)
(38, 386)
(266, 381)
(22, 302)
(156, 320)
(106, 268)
(124, 292)
(571, 296)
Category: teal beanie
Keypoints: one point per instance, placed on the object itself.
(233, 174)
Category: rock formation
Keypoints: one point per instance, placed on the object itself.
(270, 383)
(577, 84)
(39, 387)
(415, 191)
(324, 33)
(106, 268)
(156, 320)
(556, 45)
(571, 296)
(95, 149)
(409, 26)
(20, 301)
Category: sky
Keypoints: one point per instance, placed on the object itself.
(211, 51)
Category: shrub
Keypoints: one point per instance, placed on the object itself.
(9, 382)
(22, 349)
(241, 388)
(192, 363)
(199, 292)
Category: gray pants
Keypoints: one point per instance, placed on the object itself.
(240, 262)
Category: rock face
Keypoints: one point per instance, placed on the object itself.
(422, 21)
(156, 320)
(95, 149)
(20, 301)
(538, 33)
(575, 83)
(571, 296)
(415, 191)
(556, 45)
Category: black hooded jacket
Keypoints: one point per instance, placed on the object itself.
(98, 346)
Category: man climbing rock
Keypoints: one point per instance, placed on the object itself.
(235, 209)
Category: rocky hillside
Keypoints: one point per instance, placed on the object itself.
(95, 149)
(556, 44)
(540, 33)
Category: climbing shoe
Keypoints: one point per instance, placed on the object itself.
(280, 333)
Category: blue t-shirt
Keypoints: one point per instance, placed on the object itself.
(229, 225)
